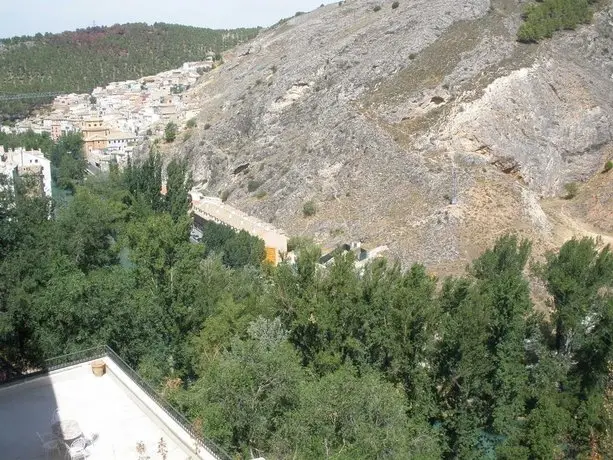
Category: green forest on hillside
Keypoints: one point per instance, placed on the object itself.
(298, 361)
(77, 62)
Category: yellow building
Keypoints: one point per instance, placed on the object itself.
(95, 135)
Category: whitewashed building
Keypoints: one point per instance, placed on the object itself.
(21, 162)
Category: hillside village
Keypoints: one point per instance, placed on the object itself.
(113, 119)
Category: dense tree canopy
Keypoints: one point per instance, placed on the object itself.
(300, 361)
(68, 161)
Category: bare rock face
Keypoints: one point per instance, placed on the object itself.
(384, 118)
(547, 122)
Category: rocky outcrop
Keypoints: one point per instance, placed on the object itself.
(383, 118)
(548, 123)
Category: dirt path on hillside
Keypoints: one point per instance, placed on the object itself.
(566, 226)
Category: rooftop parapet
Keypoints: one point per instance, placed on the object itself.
(119, 407)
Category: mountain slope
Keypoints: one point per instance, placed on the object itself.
(375, 115)
(81, 60)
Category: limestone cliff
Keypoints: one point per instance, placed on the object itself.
(383, 118)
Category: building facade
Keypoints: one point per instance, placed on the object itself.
(95, 134)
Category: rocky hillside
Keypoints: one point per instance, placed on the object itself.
(425, 127)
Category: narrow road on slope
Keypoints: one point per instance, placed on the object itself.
(566, 226)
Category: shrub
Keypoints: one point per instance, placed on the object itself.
(207, 126)
(170, 132)
(412, 56)
(377, 8)
(395, 5)
(253, 185)
(542, 19)
(608, 166)
(309, 209)
(261, 194)
(225, 195)
(298, 242)
(191, 123)
(571, 190)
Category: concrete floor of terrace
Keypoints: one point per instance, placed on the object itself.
(108, 406)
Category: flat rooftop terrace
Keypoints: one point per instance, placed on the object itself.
(112, 408)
